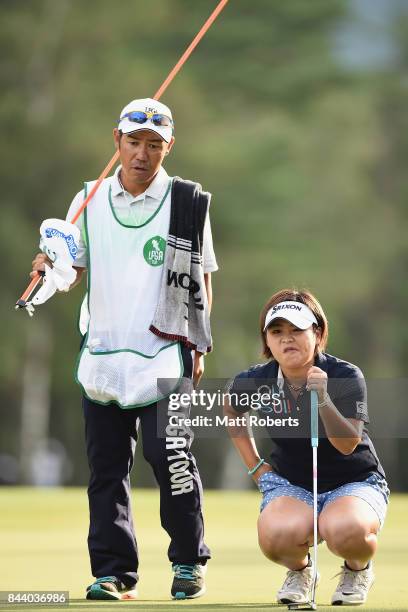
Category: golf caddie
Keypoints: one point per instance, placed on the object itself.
(352, 492)
(145, 242)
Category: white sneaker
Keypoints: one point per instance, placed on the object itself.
(353, 587)
(297, 586)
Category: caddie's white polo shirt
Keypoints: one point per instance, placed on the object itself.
(134, 211)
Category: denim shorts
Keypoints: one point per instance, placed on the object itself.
(374, 490)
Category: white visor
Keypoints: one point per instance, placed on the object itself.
(296, 313)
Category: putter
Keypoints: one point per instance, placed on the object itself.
(314, 439)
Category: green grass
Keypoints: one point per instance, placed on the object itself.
(43, 547)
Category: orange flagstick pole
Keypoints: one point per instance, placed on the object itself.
(190, 49)
(21, 303)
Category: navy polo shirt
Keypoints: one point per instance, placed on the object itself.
(291, 454)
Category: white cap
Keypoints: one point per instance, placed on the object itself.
(146, 105)
(296, 313)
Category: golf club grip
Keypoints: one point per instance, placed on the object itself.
(314, 419)
(30, 288)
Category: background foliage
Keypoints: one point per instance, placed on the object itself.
(293, 114)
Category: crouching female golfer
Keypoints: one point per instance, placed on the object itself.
(352, 490)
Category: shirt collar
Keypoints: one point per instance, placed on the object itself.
(321, 362)
(155, 190)
(281, 379)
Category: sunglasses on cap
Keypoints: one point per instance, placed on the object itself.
(142, 117)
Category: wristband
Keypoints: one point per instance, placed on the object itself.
(254, 469)
(325, 401)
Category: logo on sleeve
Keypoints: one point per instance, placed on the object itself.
(153, 251)
(361, 408)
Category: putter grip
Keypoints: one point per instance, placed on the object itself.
(314, 419)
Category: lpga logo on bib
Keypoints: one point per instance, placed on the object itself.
(153, 251)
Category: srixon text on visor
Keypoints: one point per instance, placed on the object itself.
(290, 306)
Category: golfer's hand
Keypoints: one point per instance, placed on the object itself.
(265, 467)
(317, 381)
(198, 367)
(38, 264)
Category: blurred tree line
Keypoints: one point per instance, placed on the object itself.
(305, 157)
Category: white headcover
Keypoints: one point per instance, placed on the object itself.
(59, 241)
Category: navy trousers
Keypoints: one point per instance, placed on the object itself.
(111, 436)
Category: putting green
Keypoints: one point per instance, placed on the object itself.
(43, 547)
